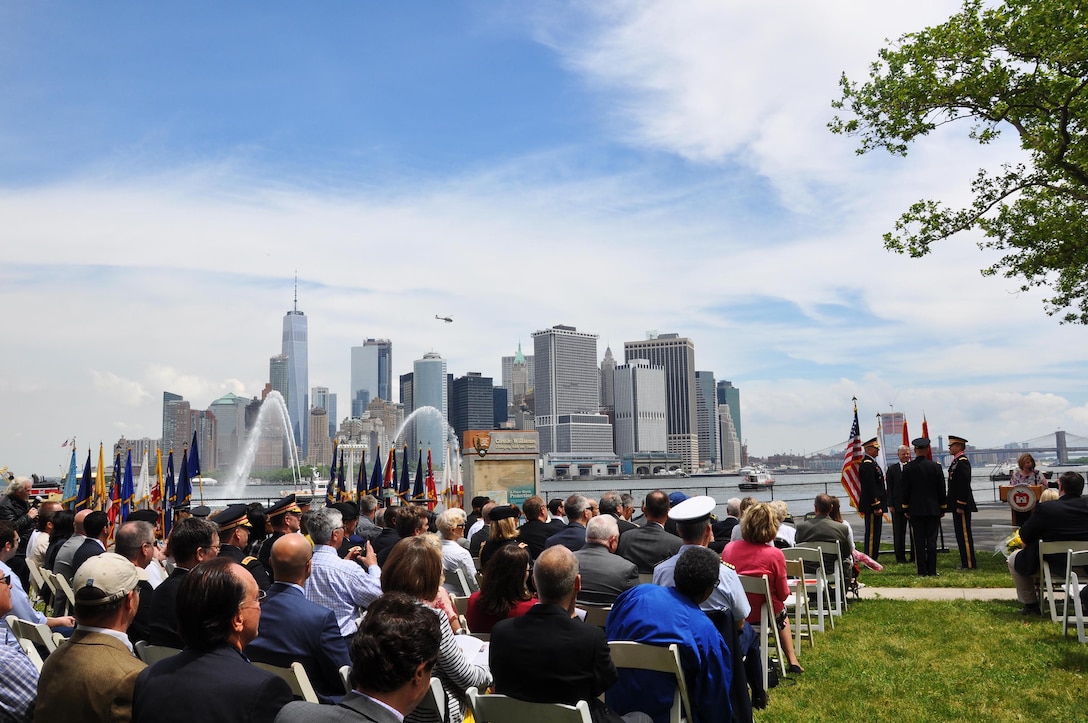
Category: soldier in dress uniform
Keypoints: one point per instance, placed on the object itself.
(873, 499)
(961, 501)
(234, 528)
(283, 518)
(924, 504)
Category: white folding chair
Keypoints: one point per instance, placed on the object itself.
(26, 645)
(798, 602)
(596, 615)
(36, 634)
(645, 578)
(460, 604)
(456, 583)
(37, 580)
(296, 677)
(836, 577)
(661, 659)
(65, 589)
(153, 653)
(345, 678)
(1048, 591)
(766, 628)
(1073, 587)
(816, 581)
(503, 709)
(435, 701)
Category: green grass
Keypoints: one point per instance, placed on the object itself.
(890, 660)
(992, 572)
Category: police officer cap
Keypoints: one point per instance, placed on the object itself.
(202, 511)
(285, 505)
(348, 510)
(693, 509)
(503, 512)
(874, 442)
(303, 500)
(233, 516)
(921, 442)
(957, 440)
(181, 507)
(143, 516)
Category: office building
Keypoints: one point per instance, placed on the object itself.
(320, 450)
(321, 397)
(430, 389)
(517, 375)
(372, 371)
(729, 450)
(296, 348)
(177, 427)
(472, 404)
(608, 369)
(677, 355)
(706, 412)
(640, 408)
(206, 427)
(279, 374)
(272, 452)
(230, 428)
(728, 394)
(500, 399)
(567, 397)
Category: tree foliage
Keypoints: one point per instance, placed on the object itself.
(1020, 65)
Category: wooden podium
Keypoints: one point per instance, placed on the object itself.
(1018, 505)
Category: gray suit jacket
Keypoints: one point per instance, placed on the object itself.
(648, 546)
(354, 708)
(604, 575)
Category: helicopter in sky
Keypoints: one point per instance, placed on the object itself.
(446, 319)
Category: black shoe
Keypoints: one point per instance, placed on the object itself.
(759, 699)
(795, 669)
(1031, 609)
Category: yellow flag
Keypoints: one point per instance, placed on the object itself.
(100, 481)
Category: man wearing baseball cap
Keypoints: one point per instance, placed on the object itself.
(93, 675)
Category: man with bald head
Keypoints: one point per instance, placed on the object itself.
(295, 629)
(63, 563)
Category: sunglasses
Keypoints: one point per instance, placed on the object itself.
(6, 579)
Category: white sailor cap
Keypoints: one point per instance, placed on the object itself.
(693, 509)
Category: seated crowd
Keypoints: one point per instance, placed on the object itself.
(353, 585)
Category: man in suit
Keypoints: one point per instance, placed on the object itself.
(97, 527)
(293, 629)
(394, 652)
(604, 574)
(1065, 518)
(234, 527)
(62, 565)
(924, 504)
(894, 479)
(872, 498)
(135, 541)
(388, 537)
(611, 504)
(219, 613)
(556, 514)
(536, 530)
(723, 529)
(192, 541)
(284, 517)
(547, 655)
(92, 676)
(822, 528)
(573, 536)
(961, 501)
(650, 544)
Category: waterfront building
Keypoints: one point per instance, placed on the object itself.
(729, 451)
(677, 355)
(730, 395)
(206, 426)
(639, 397)
(320, 449)
(372, 371)
(321, 397)
(706, 412)
(177, 427)
(430, 389)
(230, 428)
(576, 465)
(891, 433)
(138, 447)
(567, 398)
(472, 404)
(296, 347)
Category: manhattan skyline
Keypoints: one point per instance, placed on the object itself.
(615, 167)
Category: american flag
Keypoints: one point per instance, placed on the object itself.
(850, 461)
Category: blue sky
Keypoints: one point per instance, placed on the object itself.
(618, 166)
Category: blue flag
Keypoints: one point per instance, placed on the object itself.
(360, 482)
(71, 482)
(86, 487)
(185, 485)
(128, 492)
(404, 486)
(330, 492)
(169, 497)
(376, 477)
(194, 458)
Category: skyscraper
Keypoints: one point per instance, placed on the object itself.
(177, 427)
(279, 374)
(320, 449)
(372, 370)
(567, 394)
(677, 356)
(706, 405)
(517, 375)
(295, 346)
(472, 404)
(608, 368)
(728, 443)
(230, 428)
(730, 395)
(429, 389)
(640, 408)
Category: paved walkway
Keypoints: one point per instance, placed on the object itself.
(938, 593)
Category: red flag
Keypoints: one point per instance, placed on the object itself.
(906, 437)
(851, 460)
(925, 433)
(432, 490)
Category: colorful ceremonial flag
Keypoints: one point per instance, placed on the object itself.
(851, 459)
(100, 491)
(906, 436)
(169, 497)
(156, 491)
(194, 459)
(880, 458)
(376, 477)
(360, 481)
(404, 487)
(115, 490)
(71, 482)
(143, 486)
(185, 483)
(417, 488)
(86, 487)
(128, 491)
(925, 433)
(341, 481)
(330, 490)
(389, 485)
(432, 492)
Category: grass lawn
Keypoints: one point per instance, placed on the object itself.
(992, 572)
(891, 660)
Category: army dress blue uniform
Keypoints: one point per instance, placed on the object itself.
(961, 502)
(872, 499)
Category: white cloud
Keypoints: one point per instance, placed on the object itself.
(126, 392)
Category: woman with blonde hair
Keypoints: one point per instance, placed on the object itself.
(787, 534)
(414, 568)
(451, 527)
(754, 555)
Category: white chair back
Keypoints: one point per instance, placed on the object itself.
(296, 677)
(502, 709)
(767, 629)
(661, 659)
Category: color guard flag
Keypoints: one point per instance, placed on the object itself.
(417, 488)
(851, 460)
(86, 487)
(376, 476)
(360, 482)
(925, 433)
(128, 489)
(71, 482)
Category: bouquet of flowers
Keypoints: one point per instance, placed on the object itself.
(1010, 544)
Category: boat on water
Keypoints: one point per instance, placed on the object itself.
(753, 478)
